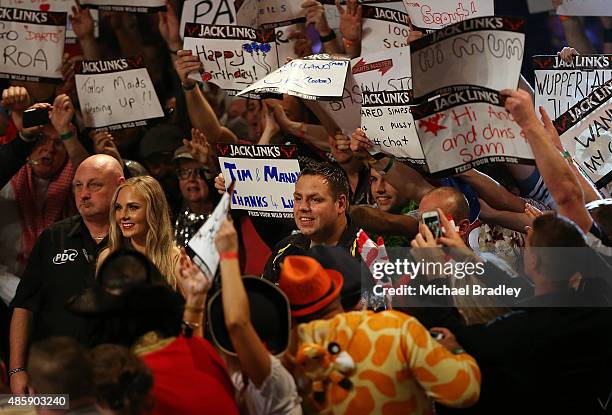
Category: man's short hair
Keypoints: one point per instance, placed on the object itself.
(333, 175)
(460, 208)
(551, 231)
(60, 365)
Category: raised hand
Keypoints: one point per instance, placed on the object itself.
(350, 20)
(315, 15)
(227, 238)
(61, 114)
(360, 144)
(82, 22)
(169, 27)
(185, 64)
(199, 147)
(16, 99)
(193, 282)
(220, 184)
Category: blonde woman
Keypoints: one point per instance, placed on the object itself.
(140, 218)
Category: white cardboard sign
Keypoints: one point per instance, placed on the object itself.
(585, 8)
(383, 29)
(385, 83)
(436, 14)
(586, 133)
(213, 12)
(201, 248)
(32, 45)
(116, 93)
(127, 6)
(312, 79)
(233, 57)
(485, 52)
(560, 85)
(265, 178)
(467, 129)
(53, 6)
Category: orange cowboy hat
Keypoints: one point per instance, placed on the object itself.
(308, 285)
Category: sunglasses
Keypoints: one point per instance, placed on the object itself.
(186, 173)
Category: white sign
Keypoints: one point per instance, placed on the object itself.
(116, 93)
(32, 44)
(213, 12)
(130, 6)
(383, 29)
(312, 79)
(539, 6)
(333, 16)
(385, 83)
(436, 14)
(233, 57)
(268, 13)
(585, 8)
(485, 52)
(586, 133)
(560, 85)
(265, 178)
(201, 248)
(467, 129)
(53, 6)
(346, 112)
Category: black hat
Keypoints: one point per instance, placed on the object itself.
(269, 310)
(122, 272)
(339, 259)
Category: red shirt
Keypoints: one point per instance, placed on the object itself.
(189, 377)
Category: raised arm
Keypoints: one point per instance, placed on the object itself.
(496, 195)
(194, 286)
(253, 356)
(201, 114)
(61, 119)
(557, 175)
(83, 26)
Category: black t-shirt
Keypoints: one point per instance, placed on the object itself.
(61, 265)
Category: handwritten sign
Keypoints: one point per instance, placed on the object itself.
(129, 6)
(233, 57)
(201, 248)
(53, 6)
(383, 29)
(485, 52)
(32, 44)
(346, 112)
(116, 93)
(560, 85)
(268, 13)
(586, 133)
(212, 12)
(585, 8)
(436, 14)
(385, 83)
(312, 79)
(467, 129)
(265, 178)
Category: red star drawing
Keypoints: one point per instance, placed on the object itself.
(431, 124)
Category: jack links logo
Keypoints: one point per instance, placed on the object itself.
(68, 255)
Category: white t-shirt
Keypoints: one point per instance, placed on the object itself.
(276, 396)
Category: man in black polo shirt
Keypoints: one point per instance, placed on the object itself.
(62, 264)
(320, 210)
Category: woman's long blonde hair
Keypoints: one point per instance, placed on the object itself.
(159, 247)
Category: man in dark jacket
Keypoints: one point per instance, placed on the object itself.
(320, 210)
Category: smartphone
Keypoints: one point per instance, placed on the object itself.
(431, 219)
(35, 116)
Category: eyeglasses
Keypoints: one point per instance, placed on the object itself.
(186, 173)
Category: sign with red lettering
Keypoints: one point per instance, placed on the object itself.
(385, 82)
(485, 52)
(559, 85)
(32, 45)
(436, 14)
(467, 129)
(127, 6)
(233, 57)
(585, 8)
(586, 133)
(116, 94)
(53, 6)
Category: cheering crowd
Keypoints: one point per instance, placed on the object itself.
(101, 301)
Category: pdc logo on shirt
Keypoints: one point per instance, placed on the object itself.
(68, 255)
